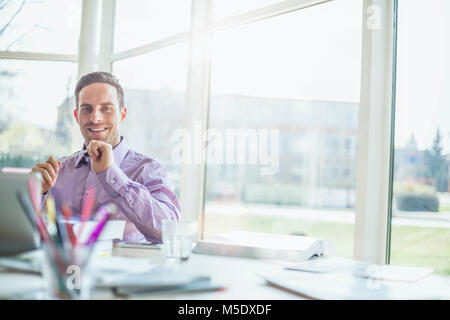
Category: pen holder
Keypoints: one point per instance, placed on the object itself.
(68, 274)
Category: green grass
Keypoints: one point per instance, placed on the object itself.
(420, 246)
(444, 209)
(414, 246)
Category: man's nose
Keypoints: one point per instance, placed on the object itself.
(96, 116)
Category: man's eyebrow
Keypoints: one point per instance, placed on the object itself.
(102, 104)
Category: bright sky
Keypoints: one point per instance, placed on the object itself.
(423, 84)
(310, 54)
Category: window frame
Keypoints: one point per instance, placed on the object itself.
(375, 135)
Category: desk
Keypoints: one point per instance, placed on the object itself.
(238, 275)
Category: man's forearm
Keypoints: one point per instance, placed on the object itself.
(145, 206)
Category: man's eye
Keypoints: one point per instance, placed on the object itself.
(86, 109)
(106, 108)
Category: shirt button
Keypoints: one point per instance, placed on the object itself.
(113, 180)
(131, 203)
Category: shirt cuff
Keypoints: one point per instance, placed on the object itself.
(113, 180)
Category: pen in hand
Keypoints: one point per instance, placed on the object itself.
(72, 155)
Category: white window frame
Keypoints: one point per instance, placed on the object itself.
(375, 133)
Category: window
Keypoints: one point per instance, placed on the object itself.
(282, 83)
(226, 8)
(154, 86)
(24, 28)
(36, 104)
(284, 105)
(421, 200)
(139, 22)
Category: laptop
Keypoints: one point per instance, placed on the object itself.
(17, 233)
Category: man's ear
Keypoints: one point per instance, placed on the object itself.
(123, 114)
(75, 114)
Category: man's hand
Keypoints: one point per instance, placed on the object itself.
(49, 171)
(101, 155)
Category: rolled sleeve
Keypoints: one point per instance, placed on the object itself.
(146, 201)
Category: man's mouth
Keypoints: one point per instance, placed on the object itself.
(96, 130)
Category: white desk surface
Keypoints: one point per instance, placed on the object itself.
(238, 276)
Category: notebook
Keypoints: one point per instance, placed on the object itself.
(347, 286)
(155, 279)
(363, 270)
(264, 246)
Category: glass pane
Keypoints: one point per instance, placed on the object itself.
(143, 21)
(36, 118)
(292, 83)
(421, 203)
(49, 26)
(154, 87)
(226, 8)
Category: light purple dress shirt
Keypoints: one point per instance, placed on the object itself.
(138, 185)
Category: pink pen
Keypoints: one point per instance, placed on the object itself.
(35, 199)
(87, 208)
(104, 213)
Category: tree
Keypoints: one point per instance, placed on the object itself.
(9, 10)
(437, 164)
(3, 5)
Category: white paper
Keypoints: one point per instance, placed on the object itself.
(345, 286)
(325, 265)
(113, 229)
(265, 240)
(392, 273)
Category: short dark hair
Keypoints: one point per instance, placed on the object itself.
(102, 77)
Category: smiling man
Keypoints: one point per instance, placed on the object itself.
(137, 184)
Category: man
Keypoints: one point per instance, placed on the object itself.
(138, 185)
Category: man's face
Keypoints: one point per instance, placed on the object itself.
(98, 113)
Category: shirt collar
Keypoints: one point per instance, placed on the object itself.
(119, 152)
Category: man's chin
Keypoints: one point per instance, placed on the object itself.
(101, 139)
(88, 137)
(98, 137)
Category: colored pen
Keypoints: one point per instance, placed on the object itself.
(104, 213)
(35, 199)
(67, 215)
(62, 230)
(28, 209)
(84, 151)
(51, 219)
(51, 210)
(57, 260)
(87, 209)
(46, 238)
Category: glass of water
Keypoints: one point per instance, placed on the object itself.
(178, 237)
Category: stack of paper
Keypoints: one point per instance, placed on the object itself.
(263, 246)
